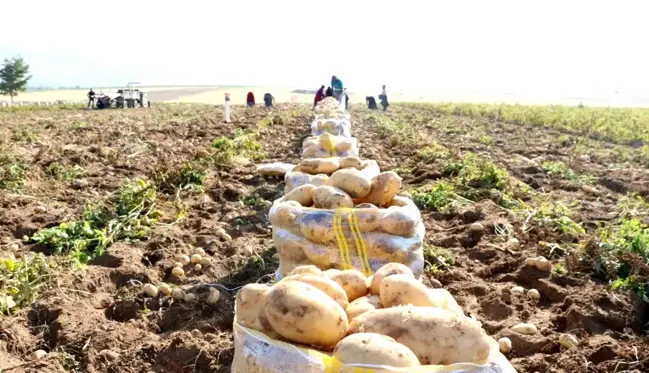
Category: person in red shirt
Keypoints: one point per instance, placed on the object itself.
(319, 96)
(250, 99)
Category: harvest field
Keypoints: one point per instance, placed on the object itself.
(136, 188)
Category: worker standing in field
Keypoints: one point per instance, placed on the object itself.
(269, 100)
(337, 86)
(319, 96)
(250, 99)
(329, 92)
(91, 99)
(384, 99)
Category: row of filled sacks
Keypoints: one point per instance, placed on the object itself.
(328, 145)
(332, 118)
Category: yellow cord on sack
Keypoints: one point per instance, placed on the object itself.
(345, 257)
(361, 246)
(359, 241)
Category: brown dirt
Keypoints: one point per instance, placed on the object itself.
(72, 324)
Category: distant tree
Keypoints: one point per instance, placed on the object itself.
(13, 77)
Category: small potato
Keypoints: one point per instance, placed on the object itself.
(384, 187)
(351, 181)
(302, 194)
(401, 290)
(385, 271)
(249, 308)
(327, 286)
(308, 269)
(165, 289)
(436, 336)
(505, 345)
(350, 162)
(304, 314)
(150, 290)
(328, 197)
(540, 263)
(525, 328)
(353, 282)
(374, 349)
(177, 271)
(356, 309)
(178, 294)
(184, 260)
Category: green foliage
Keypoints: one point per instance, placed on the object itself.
(22, 280)
(441, 197)
(13, 172)
(13, 77)
(562, 170)
(437, 259)
(190, 176)
(65, 172)
(242, 144)
(433, 152)
(477, 173)
(553, 214)
(128, 214)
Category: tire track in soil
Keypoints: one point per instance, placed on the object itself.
(161, 335)
(484, 273)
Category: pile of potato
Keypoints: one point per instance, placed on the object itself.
(389, 319)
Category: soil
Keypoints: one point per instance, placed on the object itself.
(97, 320)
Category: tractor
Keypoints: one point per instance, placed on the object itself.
(128, 97)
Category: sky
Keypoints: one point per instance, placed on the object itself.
(568, 47)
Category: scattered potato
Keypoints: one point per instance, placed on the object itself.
(384, 188)
(302, 195)
(306, 270)
(353, 282)
(189, 297)
(304, 314)
(164, 289)
(534, 295)
(39, 354)
(213, 297)
(476, 228)
(150, 290)
(178, 294)
(199, 251)
(328, 197)
(374, 349)
(385, 271)
(177, 271)
(198, 267)
(517, 291)
(513, 244)
(540, 263)
(351, 181)
(525, 328)
(505, 345)
(195, 259)
(568, 341)
(178, 264)
(436, 336)
(205, 262)
(184, 260)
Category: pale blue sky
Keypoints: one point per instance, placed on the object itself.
(570, 46)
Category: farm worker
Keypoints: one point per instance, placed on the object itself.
(346, 100)
(371, 102)
(337, 86)
(329, 92)
(91, 98)
(250, 100)
(319, 96)
(384, 99)
(269, 100)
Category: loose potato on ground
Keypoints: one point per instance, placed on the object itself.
(304, 314)
(327, 286)
(328, 197)
(351, 181)
(302, 194)
(401, 290)
(436, 336)
(385, 271)
(375, 349)
(306, 270)
(353, 282)
(384, 187)
(249, 308)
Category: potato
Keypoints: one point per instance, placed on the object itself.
(385, 271)
(327, 286)
(436, 336)
(384, 187)
(315, 166)
(505, 345)
(350, 162)
(374, 300)
(356, 309)
(302, 194)
(249, 308)
(353, 282)
(351, 181)
(374, 349)
(328, 197)
(399, 222)
(319, 180)
(366, 206)
(525, 328)
(306, 270)
(401, 290)
(304, 314)
(540, 263)
(330, 272)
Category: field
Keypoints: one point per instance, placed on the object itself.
(136, 188)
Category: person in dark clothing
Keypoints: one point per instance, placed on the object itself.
(371, 103)
(329, 92)
(346, 99)
(269, 100)
(319, 96)
(384, 99)
(91, 98)
(250, 99)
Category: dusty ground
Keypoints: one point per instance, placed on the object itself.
(96, 320)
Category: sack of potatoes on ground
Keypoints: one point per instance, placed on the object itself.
(351, 220)
(339, 126)
(316, 171)
(328, 145)
(341, 321)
